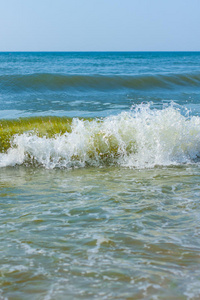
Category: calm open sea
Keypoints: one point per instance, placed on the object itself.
(100, 175)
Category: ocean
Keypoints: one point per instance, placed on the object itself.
(99, 175)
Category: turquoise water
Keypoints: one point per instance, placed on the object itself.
(109, 208)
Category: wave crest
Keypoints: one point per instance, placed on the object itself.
(48, 81)
(141, 138)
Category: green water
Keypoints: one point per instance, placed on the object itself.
(41, 126)
(99, 233)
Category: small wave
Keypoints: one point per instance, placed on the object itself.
(47, 81)
(141, 138)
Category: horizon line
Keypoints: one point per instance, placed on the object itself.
(95, 51)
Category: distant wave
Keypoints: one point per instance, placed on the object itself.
(141, 138)
(48, 81)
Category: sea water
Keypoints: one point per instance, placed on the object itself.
(99, 175)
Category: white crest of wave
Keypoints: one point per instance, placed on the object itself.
(141, 138)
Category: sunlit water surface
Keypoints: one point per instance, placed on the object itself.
(103, 202)
(107, 233)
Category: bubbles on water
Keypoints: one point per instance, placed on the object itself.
(144, 137)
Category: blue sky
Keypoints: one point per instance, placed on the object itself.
(100, 25)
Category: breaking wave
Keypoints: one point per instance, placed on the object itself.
(141, 138)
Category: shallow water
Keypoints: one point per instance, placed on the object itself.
(99, 185)
(107, 233)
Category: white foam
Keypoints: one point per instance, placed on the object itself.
(141, 138)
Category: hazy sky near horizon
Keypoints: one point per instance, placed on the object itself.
(100, 25)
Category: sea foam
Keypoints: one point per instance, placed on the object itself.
(141, 138)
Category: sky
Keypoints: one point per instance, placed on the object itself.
(100, 25)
